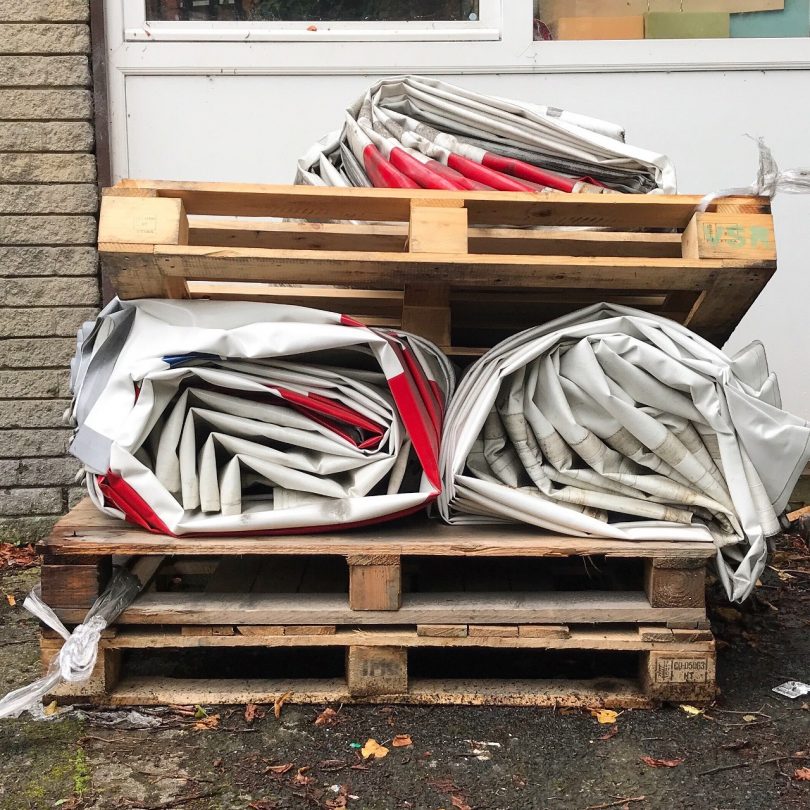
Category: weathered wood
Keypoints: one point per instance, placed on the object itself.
(74, 586)
(375, 586)
(543, 631)
(682, 676)
(310, 630)
(376, 671)
(142, 220)
(102, 680)
(730, 236)
(499, 630)
(670, 586)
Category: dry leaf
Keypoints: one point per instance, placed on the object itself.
(459, 803)
(301, 779)
(606, 716)
(611, 734)
(661, 763)
(749, 718)
(11, 599)
(327, 717)
(373, 749)
(402, 741)
(208, 722)
(50, 709)
(279, 768)
(802, 774)
(252, 713)
(280, 701)
(692, 710)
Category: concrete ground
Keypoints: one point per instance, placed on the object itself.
(750, 751)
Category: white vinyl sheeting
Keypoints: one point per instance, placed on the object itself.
(201, 416)
(612, 422)
(412, 131)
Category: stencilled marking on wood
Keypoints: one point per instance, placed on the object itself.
(381, 669)
(738, 237)
(681, 670)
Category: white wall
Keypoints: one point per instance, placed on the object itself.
(253, 127)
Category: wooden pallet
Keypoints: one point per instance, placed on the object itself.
(465, 269)
(386, 595)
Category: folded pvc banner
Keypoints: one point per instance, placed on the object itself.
(611, 422)
(415, 132)
(201, 416)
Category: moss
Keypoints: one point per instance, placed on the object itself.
(81, 773)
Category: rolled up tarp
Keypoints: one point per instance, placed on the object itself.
(415, 132)
(612, 422)
(209, 416)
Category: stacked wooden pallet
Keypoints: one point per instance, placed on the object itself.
(425, 613)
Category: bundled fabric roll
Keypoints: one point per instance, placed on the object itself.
(414, 132)
(200, 416)
(611, 422)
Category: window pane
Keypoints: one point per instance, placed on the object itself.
(670, 19)
(323, 10)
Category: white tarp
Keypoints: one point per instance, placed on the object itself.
(201, 416)
(412, 131)
(611, 422)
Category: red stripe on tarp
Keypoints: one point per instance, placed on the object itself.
(457, 177)
(526, 171)
(345, 320)
(435, 407)
(381, 173)
(475, 171)
(124, 497)
(420, 172)
(329, 407)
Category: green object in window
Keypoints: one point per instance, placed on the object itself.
(793, 21)
(684, 25)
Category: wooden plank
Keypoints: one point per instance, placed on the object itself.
(442, 630)
(375, 586)
(484, 207)
(142, 220)
(487, 630)
(157, 691)
(232, 575)
(603, 638)
(86, 531)
(569, 607)
(310, 630)
(103, 678)
(437, 229)
(683, 676)
(426, 311)
(544, 631)
(376, 671)
(730, 236)
(656, 634)
(669, 585)
(208, 630)
(76, 586)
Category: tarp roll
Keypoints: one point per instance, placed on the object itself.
(201, 416)
(416, 132)
(612, 422)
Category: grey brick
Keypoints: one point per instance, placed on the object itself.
(72, 198)
(76, 495)
(53, 71)
(48, 261)
(33, 413)
(45, 322)
(46, 136)
(53, 292)
(44, 11)
(37, 352)
(45, 105)
(44, 38)
(30, 501)
(47, 230)
(24, 443)
(25, 529)
(38, 472)
(36, 383)
(32, 168)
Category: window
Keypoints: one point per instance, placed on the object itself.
(312, 10)
(670, 19)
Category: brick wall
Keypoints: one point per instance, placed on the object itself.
(48, 264)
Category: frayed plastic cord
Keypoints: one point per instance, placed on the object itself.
(77, 658)
(770, 181)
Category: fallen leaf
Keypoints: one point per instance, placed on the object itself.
(50, 709)
(692, 710)
(217, 763)
(10, 598)
(252, 713)
(605, 716)
(611, 734)
(208, 722)
(312, 28)
(279, 768)
(17, 556)
(301, 779)
(279, 702)
(661, 763)
(802, 774)
(200, 713)
(749, 718)
(373, 749)
(459, 803)
(402, 741)
(737, 745)
(328, 717)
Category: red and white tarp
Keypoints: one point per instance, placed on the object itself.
(612, 422)
(415, 132)
(201, 416)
